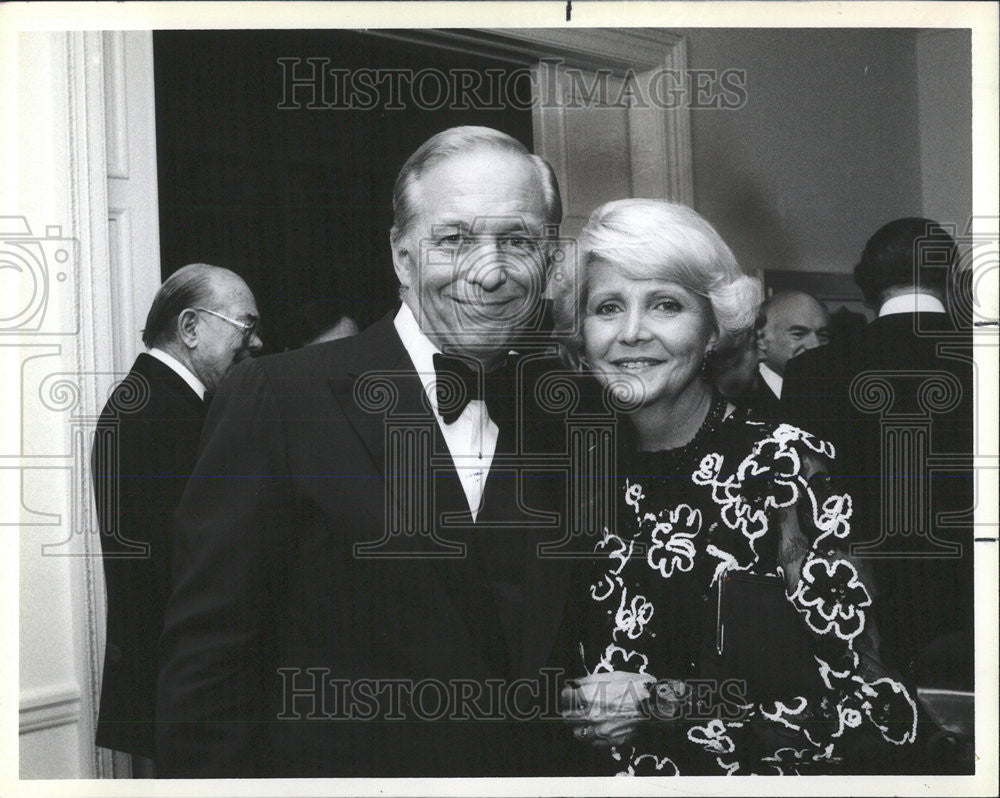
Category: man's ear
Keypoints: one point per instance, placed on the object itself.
(402, 259)
(187, 328)
(761, 344)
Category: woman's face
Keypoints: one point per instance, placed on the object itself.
(648, 335)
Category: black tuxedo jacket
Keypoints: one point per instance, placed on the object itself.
(315, 627)
(762, 403)
(910, 370)
(145, 446)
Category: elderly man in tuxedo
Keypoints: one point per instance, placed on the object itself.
(203, 320)
(891, 406)
(793, 322)
(358, 589)
(789, 323)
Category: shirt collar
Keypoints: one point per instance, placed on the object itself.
(773, 379)
(914, 302)
(420, 349)
(181, 370)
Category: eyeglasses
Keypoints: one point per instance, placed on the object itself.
(250, 329)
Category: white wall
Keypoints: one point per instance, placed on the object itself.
(944, 75)
(825, 150)
(74, 285)
(53, 709)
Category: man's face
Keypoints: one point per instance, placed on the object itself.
(793, 326)
(473, 261)
(220, 343)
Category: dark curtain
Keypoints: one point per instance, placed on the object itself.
(297, 201)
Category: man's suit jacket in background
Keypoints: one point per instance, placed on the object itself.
(145, 446)
(913, 370)
(762, 403)
(290, 652)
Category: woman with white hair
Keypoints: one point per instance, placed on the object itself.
(725, 629)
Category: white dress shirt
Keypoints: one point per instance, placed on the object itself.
(472, 438)
(181, 370)
(914, 302)
(773, 379)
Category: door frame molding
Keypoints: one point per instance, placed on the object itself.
(665, 155)
(108, 80)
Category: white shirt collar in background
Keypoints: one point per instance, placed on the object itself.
(911, 303)
(181, 370)
(773, 379)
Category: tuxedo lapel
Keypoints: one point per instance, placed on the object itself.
(380, 385)
(523, 504)
(381, 382)
(467, 580)
(547, 578)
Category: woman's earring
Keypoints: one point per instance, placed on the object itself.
(705, 363)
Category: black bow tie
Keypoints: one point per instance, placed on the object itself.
(460, 381)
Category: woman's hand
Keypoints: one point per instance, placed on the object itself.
(606, 708)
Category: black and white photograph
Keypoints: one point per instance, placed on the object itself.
(502, 398)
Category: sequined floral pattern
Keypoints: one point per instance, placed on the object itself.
(678, 538)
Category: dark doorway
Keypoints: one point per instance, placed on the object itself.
(297, 200)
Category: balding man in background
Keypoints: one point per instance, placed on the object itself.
(794, 323)
(202, 321)
(789, 323)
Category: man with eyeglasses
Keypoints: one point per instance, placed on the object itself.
(361, 586)
(202, 320)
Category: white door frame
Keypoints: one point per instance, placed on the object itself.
(88, 163)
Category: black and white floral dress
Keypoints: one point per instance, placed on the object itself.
(729, 572)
